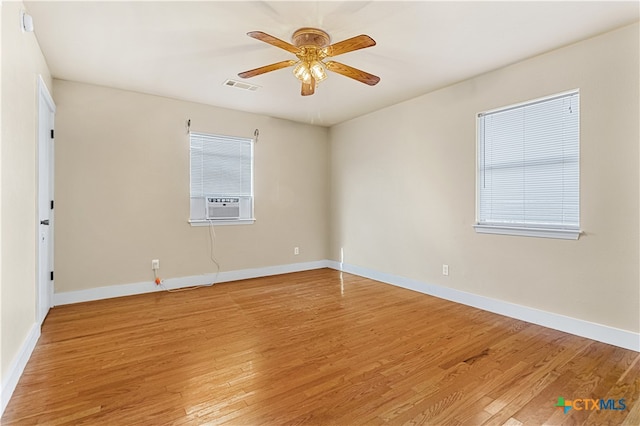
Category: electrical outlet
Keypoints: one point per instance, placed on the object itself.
(445, 269)
(155, 264)
(296, 250)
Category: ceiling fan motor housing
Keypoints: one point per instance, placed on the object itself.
(310, 37)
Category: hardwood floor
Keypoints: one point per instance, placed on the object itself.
(313, 347)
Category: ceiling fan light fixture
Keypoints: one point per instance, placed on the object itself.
(318, 71)
(302, 72)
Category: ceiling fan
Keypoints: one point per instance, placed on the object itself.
(311, 46)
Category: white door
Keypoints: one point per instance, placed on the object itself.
(46, 118)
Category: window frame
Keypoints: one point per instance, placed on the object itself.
(522, 229)
(247, 219)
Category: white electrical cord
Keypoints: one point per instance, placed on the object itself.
(212, 237)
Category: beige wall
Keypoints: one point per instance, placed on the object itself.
(403, 188)
(22, 62)
(122, 189)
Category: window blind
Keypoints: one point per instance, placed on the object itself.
(529, 164)
(220, 165)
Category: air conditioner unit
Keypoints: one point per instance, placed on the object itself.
(223, 208)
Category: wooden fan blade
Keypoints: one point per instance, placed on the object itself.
(309, 88)
(259, 35)
(267, 68)
(354, 73)
(349, 45)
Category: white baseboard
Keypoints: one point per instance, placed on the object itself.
(108, 292)
(16, 368)
(601, 333)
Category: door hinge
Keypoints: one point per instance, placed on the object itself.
(51, 204)
(52, 133)
(51, 275)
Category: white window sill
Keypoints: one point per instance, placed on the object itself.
(564, 234)
(223, 222)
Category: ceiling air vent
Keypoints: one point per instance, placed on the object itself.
(241, 85)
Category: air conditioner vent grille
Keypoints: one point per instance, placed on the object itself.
(241, 85)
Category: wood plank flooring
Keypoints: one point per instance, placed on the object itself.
(315, 347)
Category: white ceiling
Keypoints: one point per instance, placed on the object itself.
(186, 50)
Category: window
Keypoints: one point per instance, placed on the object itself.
(221, 181)
(528, 180)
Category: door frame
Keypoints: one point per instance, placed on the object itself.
(45, 163)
